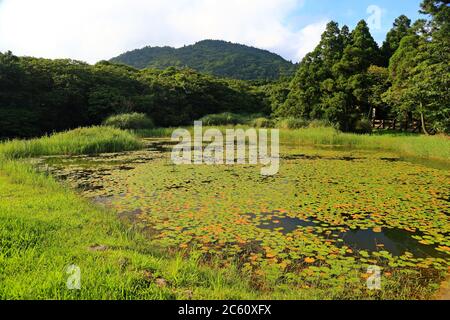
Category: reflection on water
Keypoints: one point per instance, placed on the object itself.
(287, 223)
(395, 241)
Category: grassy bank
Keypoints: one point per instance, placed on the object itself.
(79, 141)
(427, 147)
(433, 147)
(44, 228)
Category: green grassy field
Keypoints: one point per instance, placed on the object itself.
(428, 147)
(79, 141)
(421, 146)
(44, 228)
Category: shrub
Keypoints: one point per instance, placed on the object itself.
(221, 119)
(133, 121)
(79, 141)
(322, 124)
(363, 126)
(262, 123)
(292, 123)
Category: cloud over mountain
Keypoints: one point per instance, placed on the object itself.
(94, 30)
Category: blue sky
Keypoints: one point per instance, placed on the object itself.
(351, 11)
(92, 30)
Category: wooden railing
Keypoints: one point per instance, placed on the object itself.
(393, 124)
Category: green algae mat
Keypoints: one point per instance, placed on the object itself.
(322, 222)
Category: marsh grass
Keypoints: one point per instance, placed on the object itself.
(227, 118)
(155, 133)
(292, 123)
(129, 121)
(263, 122)
(220, 119)
(429, 147)
(92, 140)
(414, 145)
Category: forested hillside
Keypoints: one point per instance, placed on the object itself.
(346, 81)
(219, 58)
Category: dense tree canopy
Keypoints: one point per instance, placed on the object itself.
(40, 95)
(333, 81)
(343, 80)
(420, 70)
(314, 71)
(402, 28)
(347, 76)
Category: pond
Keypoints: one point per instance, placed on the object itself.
(394, 241)
(328, 211)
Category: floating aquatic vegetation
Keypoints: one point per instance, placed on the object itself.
(327, 212)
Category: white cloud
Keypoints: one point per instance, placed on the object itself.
(92, 30)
